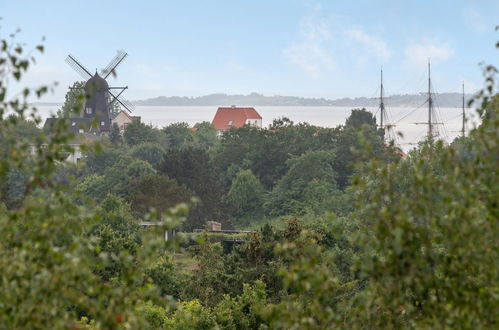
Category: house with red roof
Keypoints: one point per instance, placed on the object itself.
(229, 117)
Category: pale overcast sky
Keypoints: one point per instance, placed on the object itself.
(326, 49)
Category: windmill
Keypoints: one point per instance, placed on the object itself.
(100, 97)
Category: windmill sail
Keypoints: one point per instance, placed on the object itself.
(115, 62)
(121, 100)
(78, 67)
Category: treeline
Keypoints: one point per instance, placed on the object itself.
(355, 236)
(255, 99)
(245, 176)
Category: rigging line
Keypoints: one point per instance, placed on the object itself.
(393, 136)
(421, 137)
(388, 116)
(388, 111)
(411, 112)
(440, 119)
(455, 117)
(392, 131)
(375, 94)
(403, 88)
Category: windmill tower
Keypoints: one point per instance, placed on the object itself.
(100, 98)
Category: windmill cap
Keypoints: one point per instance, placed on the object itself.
(96, 83)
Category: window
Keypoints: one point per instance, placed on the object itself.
(230, 123)
(88, 110)
(102, 123)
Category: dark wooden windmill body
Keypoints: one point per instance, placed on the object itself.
(100, 98)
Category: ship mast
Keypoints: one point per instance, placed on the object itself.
(464, 116)
(382, 107)
(430, 105)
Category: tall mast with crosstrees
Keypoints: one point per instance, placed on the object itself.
(463, 129)
(430, 104)
(382, 107)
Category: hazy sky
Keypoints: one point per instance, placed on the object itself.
(291, 47)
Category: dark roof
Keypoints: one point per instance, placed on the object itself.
(96, 83)
(73, 124)
(228, 117)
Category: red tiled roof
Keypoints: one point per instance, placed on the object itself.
(227, 117)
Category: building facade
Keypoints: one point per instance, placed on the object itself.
(236, 117)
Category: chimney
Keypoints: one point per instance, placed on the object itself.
(233, 106)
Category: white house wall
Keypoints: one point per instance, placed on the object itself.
(254, 122)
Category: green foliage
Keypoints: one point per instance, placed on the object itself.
(115, 135)
(356, 146)
(178, 135)
(246, 194)
(150, 152)
(360, 117)
(192, 168)
(74, 101)
(157, 192)
(435, 262)
(309, 176)
(137, 133)
(418, 250)
(97, 162)
(21, 127)
(116, 234)
(156, 316)
(208, 283)
(47, 260)
(243, 311)
(118, 179)
(165, 275)
(191, 315)
(205, 135)
(13, 187)
(265, 152)
(315, 294)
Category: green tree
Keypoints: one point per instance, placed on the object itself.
(74, 101)
(116, 234)
(360, 117)
(165, 275)
(205, 135)
(265, 152)
(99, 161)
(158, 192)
(12, 189)
(246, 194)
(178, 135)
(208, 282)
(150, 152)
(356, 145)
(137, 133)
(192, 167)
(47, 277)
(289, 195)
(115, 135)
(117, 180)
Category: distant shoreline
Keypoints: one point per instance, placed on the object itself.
(444, 100)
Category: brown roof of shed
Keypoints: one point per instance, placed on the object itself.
(228, 117)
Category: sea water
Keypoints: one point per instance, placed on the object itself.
(409, 121)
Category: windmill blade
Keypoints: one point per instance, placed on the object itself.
(124, 102)
(78, 67)
(115, 62)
